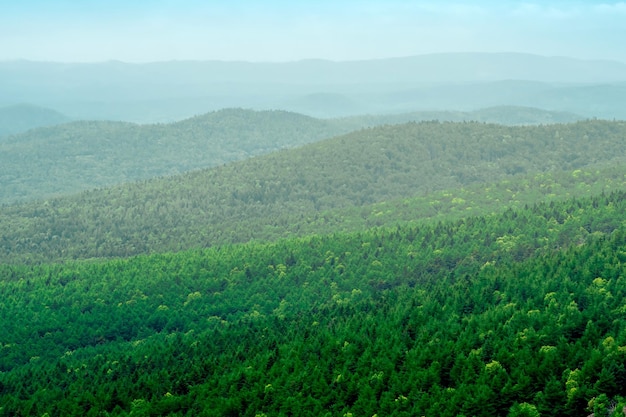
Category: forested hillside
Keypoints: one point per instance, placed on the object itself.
(83, 155)
(516, 314)
(22, 117)
(74, 157)
(298, 191)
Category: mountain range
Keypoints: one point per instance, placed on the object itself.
(167, 91)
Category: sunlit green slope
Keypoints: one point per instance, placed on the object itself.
(82, 155)
(512, 314)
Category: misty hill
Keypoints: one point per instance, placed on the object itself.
(590, 100)
(279, 194)
(22, 117)
(175, 90)
(506, 115)
(597, 100)
(83, 155)
(89, 154)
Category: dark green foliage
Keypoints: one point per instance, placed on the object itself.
(444, 319)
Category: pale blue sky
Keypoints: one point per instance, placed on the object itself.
(144, 31)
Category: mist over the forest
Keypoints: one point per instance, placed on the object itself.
(168, 91)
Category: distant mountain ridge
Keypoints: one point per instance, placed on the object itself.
(505, 115)
(419, 69)
(169, 90)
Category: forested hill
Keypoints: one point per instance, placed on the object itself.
(505, 115)
(164, 91)
(277, 194)
(82, 155)
(516, 314)
(23, 117)
(88, 154)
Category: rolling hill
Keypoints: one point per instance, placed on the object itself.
(22, 117)
(286, 192)
(422, 268)
(505, 115)
(406, 255)
(83, 155)
(87, 154)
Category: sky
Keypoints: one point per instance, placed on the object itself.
(280, 30)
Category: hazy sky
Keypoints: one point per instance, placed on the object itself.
(281, 30)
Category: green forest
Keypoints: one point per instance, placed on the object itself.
(81, 155)
(518, 313)
(411, 269)
(67, 158)
(371, 177)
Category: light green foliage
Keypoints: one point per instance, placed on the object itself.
(523, 410)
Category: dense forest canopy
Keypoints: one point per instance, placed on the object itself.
(422, 268)
(316, 209)
(519, 313)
